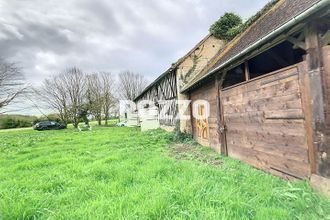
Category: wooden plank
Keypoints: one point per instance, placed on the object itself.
(253, 89)
(265, 161)
(282, 103)
(286, 114)
(277, 150)
(289, 126)
(269, 137)
(268, 92)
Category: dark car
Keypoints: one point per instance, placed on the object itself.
(48, 125)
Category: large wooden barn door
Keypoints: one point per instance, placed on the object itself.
(265, 124)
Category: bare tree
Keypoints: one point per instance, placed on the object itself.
(75, 84)
(65, 92)
(131, 85)
(54, 93)
(109, 100)
(73, 94)
(95, 97)
(11, 83)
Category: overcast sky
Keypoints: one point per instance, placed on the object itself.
(45, 36)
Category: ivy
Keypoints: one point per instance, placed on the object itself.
(191, 70)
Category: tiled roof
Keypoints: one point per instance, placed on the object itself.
(281, 13)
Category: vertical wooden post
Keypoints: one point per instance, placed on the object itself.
(247, 71)
(316, 102)
(217, 87)
(307, 108)
(191, 117)
(220, 117)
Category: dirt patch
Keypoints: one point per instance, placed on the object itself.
(195, 152)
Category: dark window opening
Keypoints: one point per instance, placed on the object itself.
(234, 76)
(278, 57)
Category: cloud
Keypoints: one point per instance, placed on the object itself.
(45, 37)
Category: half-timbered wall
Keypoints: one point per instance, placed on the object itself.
(164, 90)
(265, 123)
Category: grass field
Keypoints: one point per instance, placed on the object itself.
(121, 173)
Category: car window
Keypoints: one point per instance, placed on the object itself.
(52, 123)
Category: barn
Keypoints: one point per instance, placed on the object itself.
(158, 103)
(269, 93)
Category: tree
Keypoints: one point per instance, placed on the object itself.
(109, 100)
(11, 83)
(54, 93)
(75, 95)
(65, 92)
(75, 84)
(227, 27)
(131, 85)
(95, 95)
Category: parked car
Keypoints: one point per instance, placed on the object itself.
(48, 125)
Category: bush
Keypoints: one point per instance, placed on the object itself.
(230, 24)
(227, 27)
(24, 121)
(8, 122)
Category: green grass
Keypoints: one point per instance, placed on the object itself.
(121, 173)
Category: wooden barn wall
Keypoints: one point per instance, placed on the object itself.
(265, 123)
(207, 92)
(326, 81)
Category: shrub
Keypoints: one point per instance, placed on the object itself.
(8, 122)
(230, 25)
(227, 27)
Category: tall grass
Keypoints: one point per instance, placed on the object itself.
(121, 173)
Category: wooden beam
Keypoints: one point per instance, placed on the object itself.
(325, 39)
(247, 71)
(315, 98)
(297, 43)
(217, 87)
(222, 130)
(191, 117)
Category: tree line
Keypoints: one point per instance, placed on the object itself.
(73, 94)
